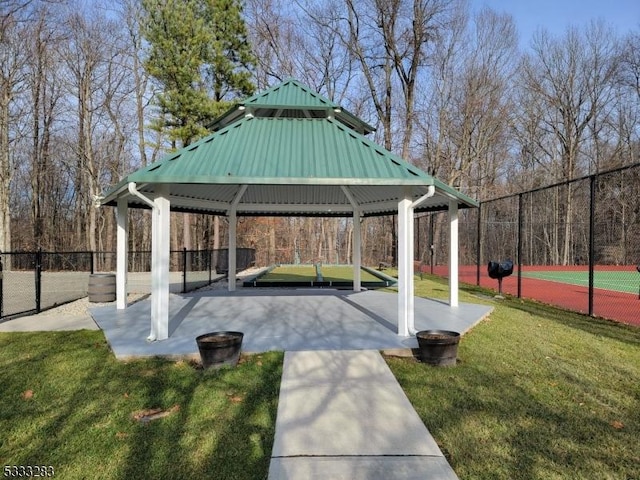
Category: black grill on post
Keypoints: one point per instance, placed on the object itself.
(499, 270)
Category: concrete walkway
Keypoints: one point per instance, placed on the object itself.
(343, 415)
(49, 323)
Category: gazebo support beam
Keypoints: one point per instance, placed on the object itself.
(357, 252)
(231, 257)
(122, 253)
(405, 267)
(453, 253)
(357, 239)
(406, 313)
(232, 262)
(160, 247)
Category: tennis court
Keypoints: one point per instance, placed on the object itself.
(614, 280)
(615, 295)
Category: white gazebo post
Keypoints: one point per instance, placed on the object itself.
(357, 252)
(231, 256)
(233, 224)
(160, 246)
(406, 311)
(122, 254)
(405, 267)
(410, 272)
(453, 253)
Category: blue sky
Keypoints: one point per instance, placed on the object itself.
(557, 15)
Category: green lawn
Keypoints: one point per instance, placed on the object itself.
(538, 393)
(619, 281)
(66, 402)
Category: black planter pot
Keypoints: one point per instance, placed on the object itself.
(218, 349)
(438, 347)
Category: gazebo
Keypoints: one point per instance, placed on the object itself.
(285, 151)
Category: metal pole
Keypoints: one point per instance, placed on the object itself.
(592, 250)
(519, 253)
(417, 229)
(432, 248)
(38, 272)
(184, 269)
(479, 244)
(1, 288)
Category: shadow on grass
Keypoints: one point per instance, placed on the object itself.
(595, 326)
(79, 416)
(224, 428)
(521, 425)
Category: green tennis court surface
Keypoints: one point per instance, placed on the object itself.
(617, 281)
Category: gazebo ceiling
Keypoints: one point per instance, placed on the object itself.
(299, 159)
(288, 200)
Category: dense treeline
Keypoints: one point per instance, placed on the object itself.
(449, 89)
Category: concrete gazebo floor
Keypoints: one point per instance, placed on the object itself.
(280, 319)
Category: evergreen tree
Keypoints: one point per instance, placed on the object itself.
(200, 56)
(229, 56)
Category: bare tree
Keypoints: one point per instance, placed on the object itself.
(570, 76)
(473, 115)
(45, 95)
(92, 56)
(630, 63)
(275, 39)
(12, 58)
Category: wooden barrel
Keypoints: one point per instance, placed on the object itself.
(102, 287)
(218, 349)
(438, 347)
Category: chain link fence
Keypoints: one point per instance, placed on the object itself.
(575, 244)
(31, 282)
(36, 281)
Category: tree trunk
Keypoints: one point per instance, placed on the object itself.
(5, 166)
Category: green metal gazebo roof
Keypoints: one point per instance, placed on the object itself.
(291, 99)
(290, 151)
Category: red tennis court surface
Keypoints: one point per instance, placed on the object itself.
(619, 306)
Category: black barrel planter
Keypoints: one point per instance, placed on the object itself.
(102, 287)
(218, 349)
(438, 347)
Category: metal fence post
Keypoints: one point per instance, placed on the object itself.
(479, 244)
(184, 269)
(38, 273)
(91, 265)
(592, 250)
(519, 253)
(1, 288)
(209, 254)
